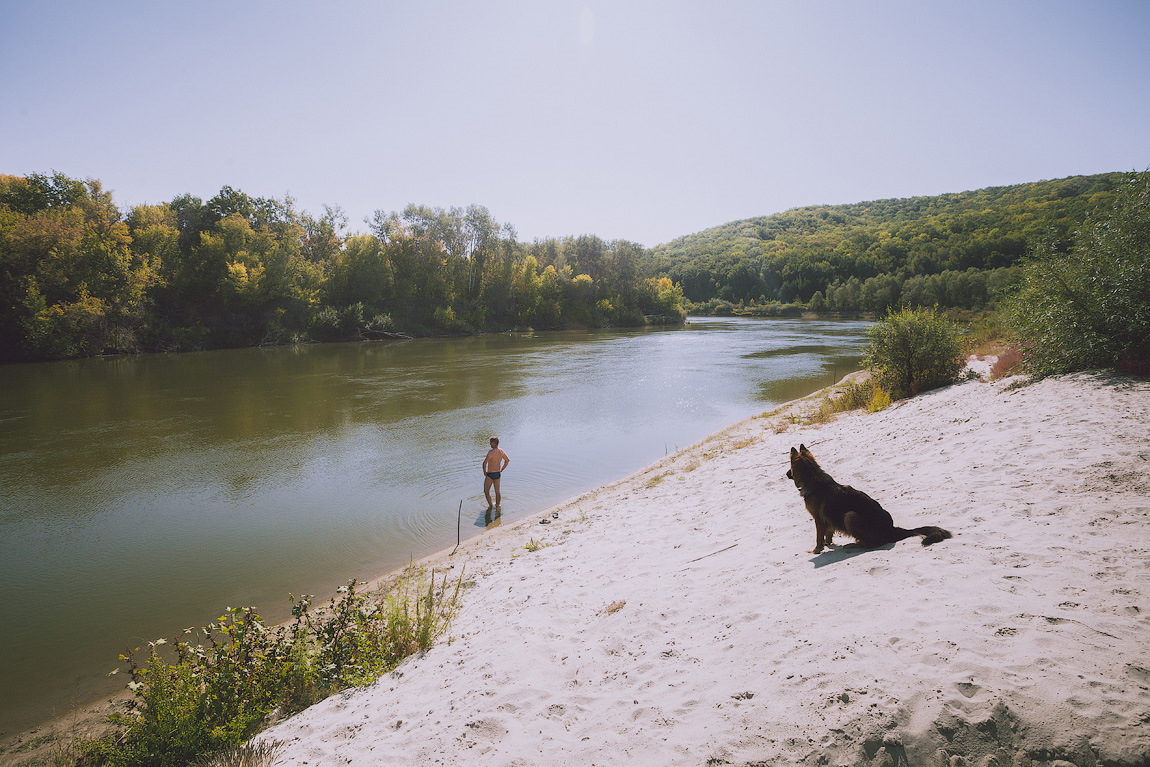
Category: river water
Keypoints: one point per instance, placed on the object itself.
(142, 495)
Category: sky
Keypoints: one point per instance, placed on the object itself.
(643, 121)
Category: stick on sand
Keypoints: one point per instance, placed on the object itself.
(458, 517)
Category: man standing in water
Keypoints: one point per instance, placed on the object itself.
(493, 466)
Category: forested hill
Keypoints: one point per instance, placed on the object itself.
(952, 249)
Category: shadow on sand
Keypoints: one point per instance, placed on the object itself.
(845, 552)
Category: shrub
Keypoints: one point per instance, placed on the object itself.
(913, 351)
(196, 700)
(444, 318)
(379, 323)
(327, 324)
(1090, 307)
(880, 400)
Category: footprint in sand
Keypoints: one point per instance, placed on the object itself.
(485, 729)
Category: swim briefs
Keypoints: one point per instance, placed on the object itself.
(493, 474)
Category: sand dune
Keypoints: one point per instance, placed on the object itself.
(675, 618)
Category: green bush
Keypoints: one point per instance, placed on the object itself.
(913, 351)
(1090, 307)
(194, 700)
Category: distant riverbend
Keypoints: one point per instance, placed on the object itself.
(142, 495)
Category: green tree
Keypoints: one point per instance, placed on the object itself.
(360, 273)
(1090, 307)
(69, 280)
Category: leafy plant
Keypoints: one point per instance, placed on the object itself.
(194, 700)
(880, 400)
(912, 351)
(1090, 307)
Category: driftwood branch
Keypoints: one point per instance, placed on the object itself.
(713, 553)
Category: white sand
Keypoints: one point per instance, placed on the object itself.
(1023, 640)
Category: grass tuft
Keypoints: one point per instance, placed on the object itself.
(614, 607)
(655, 480)
(262, 754)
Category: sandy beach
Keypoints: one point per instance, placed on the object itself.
(676, 617)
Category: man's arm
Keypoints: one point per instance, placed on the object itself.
(506, 460)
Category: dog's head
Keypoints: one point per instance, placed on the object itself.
(803, 467)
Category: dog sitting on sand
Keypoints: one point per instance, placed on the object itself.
(841, 508)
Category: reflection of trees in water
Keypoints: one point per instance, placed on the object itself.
(66, 423)
(239, 420)
(780, 390)
(786, 351)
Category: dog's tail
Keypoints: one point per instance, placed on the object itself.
(930, 534)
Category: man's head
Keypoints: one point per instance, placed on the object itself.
(494, 441)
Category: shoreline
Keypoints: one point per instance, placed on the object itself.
(797, 407)
(673, 616)
(676, 616)
(89, 718)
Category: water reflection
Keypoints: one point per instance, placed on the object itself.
(490, 518)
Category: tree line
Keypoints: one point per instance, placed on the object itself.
(79, 277)
(953, 250)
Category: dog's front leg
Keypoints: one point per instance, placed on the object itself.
(822, 533)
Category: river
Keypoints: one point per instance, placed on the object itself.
(142, 495)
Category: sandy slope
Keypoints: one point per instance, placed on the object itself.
(676, 618)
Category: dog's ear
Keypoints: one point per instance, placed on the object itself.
(803, 450)
(794, 453)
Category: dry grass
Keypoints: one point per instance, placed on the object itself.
(853, 395)
(1008, 363)
(261, 754)
(614, 607)
(739, 444)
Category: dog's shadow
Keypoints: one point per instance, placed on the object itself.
(846, 551)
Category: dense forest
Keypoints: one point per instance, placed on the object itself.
(80, 277)
(952, 250)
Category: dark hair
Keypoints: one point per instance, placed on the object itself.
(495, 440)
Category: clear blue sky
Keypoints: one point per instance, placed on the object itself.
(635, 120)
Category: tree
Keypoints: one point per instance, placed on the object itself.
(360, 273)
(1090, 307)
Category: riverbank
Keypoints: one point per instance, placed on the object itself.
(261, 472)
(675, 617)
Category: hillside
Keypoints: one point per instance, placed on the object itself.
(926, 241)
